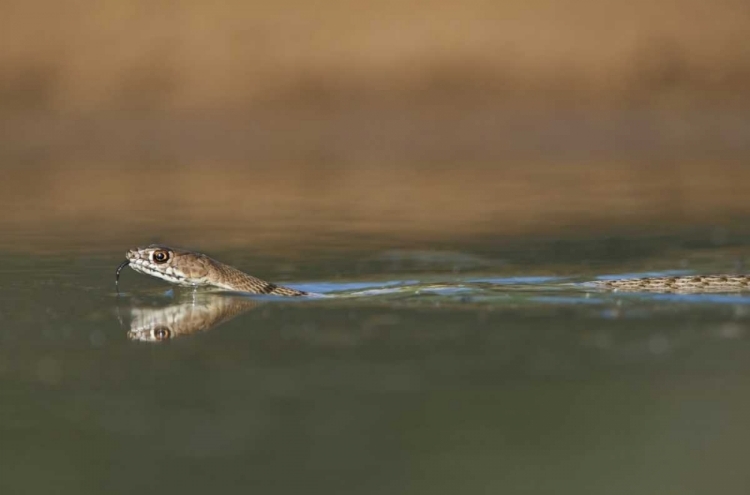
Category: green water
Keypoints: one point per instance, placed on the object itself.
(508, 385)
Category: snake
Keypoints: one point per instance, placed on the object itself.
(197, 270)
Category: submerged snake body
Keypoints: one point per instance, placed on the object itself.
(187, 268)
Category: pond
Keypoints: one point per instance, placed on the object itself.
(422, 372)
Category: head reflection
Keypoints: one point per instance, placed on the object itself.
(198, 314)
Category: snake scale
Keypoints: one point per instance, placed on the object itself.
(188, 268)
(689, 283)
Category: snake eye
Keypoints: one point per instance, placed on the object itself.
(161, 256)
(161, 333)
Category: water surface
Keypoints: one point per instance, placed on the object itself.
(436, 381)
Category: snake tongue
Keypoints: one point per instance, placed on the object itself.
(117, 274)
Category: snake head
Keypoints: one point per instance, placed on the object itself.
(176, 266)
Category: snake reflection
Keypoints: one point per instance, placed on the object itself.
(200, 313)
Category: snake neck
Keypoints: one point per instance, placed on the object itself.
(233, 279)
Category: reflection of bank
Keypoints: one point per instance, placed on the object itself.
(199, 314)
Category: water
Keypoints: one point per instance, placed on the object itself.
(498, 380)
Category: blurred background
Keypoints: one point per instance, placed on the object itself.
(379, 122)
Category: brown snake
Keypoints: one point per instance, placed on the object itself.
(187, 268)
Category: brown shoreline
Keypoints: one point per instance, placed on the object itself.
(234, 205)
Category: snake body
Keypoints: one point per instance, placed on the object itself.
(686, 284)
(191, 269)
